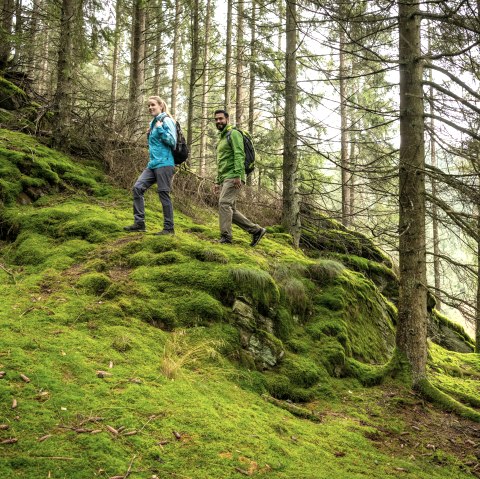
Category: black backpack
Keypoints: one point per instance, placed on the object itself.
(180, 152)
(247, 146)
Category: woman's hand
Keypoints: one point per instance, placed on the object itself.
(158, 124)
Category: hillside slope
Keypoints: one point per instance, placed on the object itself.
(144, 356)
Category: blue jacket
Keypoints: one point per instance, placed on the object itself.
(161, 141)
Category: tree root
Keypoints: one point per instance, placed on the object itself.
(291, 408)
(468, 399)
(445, 401)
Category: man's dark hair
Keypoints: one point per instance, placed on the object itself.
(222, 111)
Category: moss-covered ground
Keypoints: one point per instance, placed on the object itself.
(121, 355)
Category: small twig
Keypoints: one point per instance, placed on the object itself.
(9, 273)
(27, 311)
(130, 466)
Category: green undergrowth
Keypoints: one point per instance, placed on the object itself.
(157, 353)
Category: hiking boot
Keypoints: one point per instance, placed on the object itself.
(225, 240)
(256, 237)
(165, 232)
(136, 227)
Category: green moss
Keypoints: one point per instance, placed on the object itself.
(11, 96)
(331, 354)
(301, 371)
(94, 283)
(256, 284)
(445, 401)
(197, 308)
(284, 323)
(324, 271)
(31, 249)
(281, 387)
(441, 319)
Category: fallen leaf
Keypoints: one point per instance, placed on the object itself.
(14, 404)
(103, 374)
(177, 435)
(44, 438)
(4, 427)
(25, 378)
(339, 453)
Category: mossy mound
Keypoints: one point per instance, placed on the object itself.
(321, 233)
(33, 170)
(11, 97)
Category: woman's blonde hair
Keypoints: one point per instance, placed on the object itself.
(162, 103)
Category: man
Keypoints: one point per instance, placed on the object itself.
(230, 177)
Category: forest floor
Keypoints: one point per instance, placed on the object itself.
(407, 427)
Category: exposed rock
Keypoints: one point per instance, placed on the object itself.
(256, 336)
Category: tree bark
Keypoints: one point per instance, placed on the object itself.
(291, 204)
(251, 89)
(65, 66)
(137, 64)
(193, 72)
(6, 26)
(411, 338)
(228, 57)
(175, 56)
(240, 93)
(205, 87)
(344, 157)
(477, 312)
(115, 61)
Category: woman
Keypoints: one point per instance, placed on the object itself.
(162, 137)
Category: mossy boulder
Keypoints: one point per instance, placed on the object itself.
(449, 335)
(11, 97)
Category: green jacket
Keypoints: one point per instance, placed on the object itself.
(230, 157)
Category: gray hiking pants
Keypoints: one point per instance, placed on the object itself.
(163, 177)
(228, 213)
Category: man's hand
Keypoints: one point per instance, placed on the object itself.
(216, 189)
(237, 182)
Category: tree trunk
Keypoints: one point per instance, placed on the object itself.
(291, 205)
(115, 61)
(19, 44)
(193, 72)
(228, 57)
(344, 158)
(33, 43)
(6, 26)
(175, 57)
(137, 65)
(62, 98)
(411, 338)
(205, 87)
(251, 89)
(159, 51)
(477, 311)
(239, 100)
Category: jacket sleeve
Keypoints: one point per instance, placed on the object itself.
(238, 153)
(167, 132)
